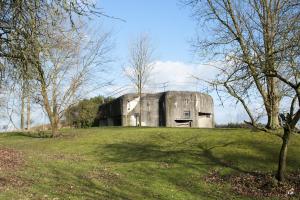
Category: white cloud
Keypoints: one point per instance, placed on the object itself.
(179, 76)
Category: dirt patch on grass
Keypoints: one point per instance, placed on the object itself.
(10, 162)
(11, 181)
(258, 184)
(66, 157)
(10, 159)
(104, 175)
(165, 165)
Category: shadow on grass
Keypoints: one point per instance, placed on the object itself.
(140, 185)
(191, 158)
(261, 159)
(199, 155)
(185, 166)
(207, 152)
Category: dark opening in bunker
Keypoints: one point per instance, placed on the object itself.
(204, 114)
(183, 122)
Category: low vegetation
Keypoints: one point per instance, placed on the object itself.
(84, 113)
(145, 163)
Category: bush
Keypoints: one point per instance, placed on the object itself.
(84, 113)
(232, 125)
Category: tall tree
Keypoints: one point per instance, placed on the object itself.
(254, 39)
(68, 60)
(140, 66)
(24, 79)
(27, 26)
(247, 35)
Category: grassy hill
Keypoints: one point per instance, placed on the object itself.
(136, 163)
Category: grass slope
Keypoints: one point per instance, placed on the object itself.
(138, 163)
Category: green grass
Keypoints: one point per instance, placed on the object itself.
(139, 163)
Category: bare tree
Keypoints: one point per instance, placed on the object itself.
(254, 39)
(289, 75)
(140, 66)
(18, 80)
(68, 60)
(26, 91)
(22, 20)
(249, 33)
(27, 34)
(24, 29)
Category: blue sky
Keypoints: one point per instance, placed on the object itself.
(169, 25)
(167, 22)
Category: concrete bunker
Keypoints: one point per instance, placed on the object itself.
(170, 109)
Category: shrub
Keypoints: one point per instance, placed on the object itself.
(232, 125)
(84, 113)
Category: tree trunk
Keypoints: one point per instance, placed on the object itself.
(53, 118)
(140, 111)
(283, 155)
(54, 126)
(46, 102)
(140, 95)
(273, 113)
(22, 110)
(273, 100)
(28, 112)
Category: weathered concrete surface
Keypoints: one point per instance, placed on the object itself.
(131, 109)
(171, 109)
(190, 109)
